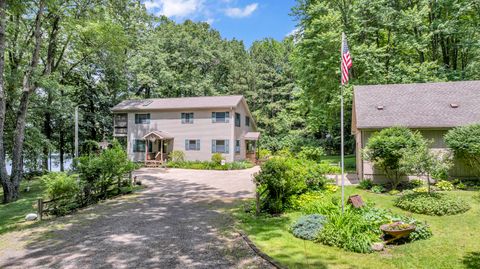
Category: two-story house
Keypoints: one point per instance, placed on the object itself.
(198, 126)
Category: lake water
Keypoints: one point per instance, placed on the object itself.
(53, 163)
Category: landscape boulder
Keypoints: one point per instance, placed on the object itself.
(31, 217)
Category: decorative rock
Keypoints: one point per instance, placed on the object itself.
(31, 217)
(378, 246)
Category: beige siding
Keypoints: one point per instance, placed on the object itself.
(170, 121)
(241, 131)
(366, 170)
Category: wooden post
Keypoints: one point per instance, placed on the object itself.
(40, 208)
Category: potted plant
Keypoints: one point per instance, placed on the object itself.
(397, 230)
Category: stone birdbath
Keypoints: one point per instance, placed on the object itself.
(397, 230)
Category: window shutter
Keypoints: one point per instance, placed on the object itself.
(227, 146)
(183, 117)
(227, 117)
(186, 144)
(198, 144)
(214, 145)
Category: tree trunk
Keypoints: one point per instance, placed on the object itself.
(7, 188)
(27, 88)
(49, 68)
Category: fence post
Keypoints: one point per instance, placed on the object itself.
(130, 176)
(40, 208)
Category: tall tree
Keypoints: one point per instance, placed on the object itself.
(6, 184)
(28, 86)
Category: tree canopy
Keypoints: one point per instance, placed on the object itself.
(56, 55)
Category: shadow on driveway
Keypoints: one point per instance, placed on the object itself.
(174, 223)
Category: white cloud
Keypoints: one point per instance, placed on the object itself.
(174, 8)
(294, 32)
(236, 12)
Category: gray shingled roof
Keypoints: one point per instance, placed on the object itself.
(179, 103)
(418, 105)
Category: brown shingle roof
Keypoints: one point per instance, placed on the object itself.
(418, 105)
(179, 103)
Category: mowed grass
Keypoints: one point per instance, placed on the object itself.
(455, 242)
(350, 163)
(12, 215)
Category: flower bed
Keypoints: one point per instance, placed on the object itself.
(438, 204)
(354, 230)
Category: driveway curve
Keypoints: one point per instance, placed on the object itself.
(177, 222)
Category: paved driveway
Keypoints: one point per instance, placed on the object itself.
(177, 222)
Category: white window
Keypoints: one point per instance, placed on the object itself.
(237, 119)
(192, 144)
(237, 146)
(220, 146)
(187, 118)
(220, 117)
(142, 118)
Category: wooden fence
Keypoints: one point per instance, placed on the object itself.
(44, 206)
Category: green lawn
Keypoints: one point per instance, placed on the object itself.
(350, 163)
(12, 215)
(455, 242)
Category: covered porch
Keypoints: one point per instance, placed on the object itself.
(158, 145)
(252, 146)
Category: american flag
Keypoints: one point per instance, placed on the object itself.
(346, 60)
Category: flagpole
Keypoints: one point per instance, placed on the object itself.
(341, 130)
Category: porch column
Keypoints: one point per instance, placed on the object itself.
(161, 150)
(146, 150)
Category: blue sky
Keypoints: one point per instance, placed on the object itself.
(247, 20)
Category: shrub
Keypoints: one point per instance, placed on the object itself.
(264, 154)
(465, 143)
(444, 185)
(331, 188)
(365, 184)
(62, 190)
(59, 184)
(217, 158)
(394, 192)
(206, 165)
(461, 186)
(420, 190)
(282, 178)
(415, 183)
(311, 153)
(432, 204)
(386, 150)
(97, 173)
(307, 227)
(349, 231)
(177, 156)
(378, 189)
(303, 200)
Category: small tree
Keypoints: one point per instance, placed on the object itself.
(422, 161)
(465, 143)
(385, 149)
